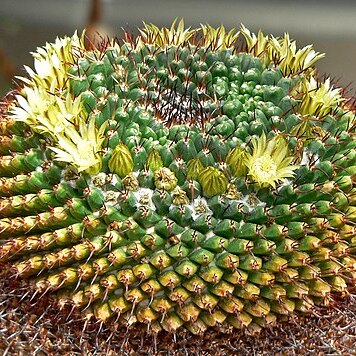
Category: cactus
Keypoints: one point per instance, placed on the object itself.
(178, 179)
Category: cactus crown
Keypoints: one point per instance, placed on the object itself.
(177, 178)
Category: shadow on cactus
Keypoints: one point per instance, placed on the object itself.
(180, 179)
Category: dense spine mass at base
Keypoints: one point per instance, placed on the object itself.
(177, 180)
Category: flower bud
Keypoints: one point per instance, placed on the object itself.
(213, 181)
(121, 161)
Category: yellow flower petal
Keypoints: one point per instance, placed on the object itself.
(269, 162)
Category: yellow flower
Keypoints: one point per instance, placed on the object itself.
(218, 38)
(52, 62)
(282, 51)
(256, 45)
(80, 146)
(47, 113)
(164, 36)
(290, 59)
(47, 106)
(319, 99)
(269, 162)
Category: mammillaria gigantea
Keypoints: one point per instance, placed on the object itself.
(179, 179)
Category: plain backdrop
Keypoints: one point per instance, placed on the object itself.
(330, 26)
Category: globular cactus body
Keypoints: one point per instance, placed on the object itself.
(175, 180)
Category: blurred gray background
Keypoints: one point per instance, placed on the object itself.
(330, 26)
